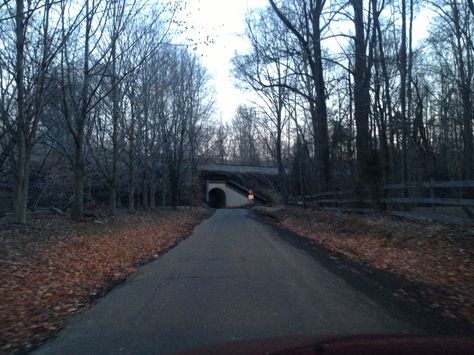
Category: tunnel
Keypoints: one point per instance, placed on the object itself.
(217, 198)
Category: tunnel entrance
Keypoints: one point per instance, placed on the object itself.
(217, 198)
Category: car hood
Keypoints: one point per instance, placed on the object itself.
(360, 344)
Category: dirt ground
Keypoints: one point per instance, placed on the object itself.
(440, 257)
(53, 267)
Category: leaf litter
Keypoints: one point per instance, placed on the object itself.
(53, 267)
(438, 257)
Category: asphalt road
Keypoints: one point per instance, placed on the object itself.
(233, 279)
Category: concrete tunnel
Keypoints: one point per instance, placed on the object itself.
(217, 198)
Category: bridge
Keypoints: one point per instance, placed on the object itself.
(228, 186)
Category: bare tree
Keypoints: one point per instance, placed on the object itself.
(361, 97)
(453, 43)
(33, 28)
(307, 29)
(266, 72)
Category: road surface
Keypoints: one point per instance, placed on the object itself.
(233, 279)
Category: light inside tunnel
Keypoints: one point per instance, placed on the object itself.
(217, 198)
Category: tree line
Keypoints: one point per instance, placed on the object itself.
(350, 96)
(100, 104)
(96, 98)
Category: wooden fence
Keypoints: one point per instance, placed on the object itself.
(443, 201)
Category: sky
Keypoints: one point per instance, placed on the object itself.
(217, 27)
(220, 26)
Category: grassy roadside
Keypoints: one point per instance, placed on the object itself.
(54, 267)
(440, 258)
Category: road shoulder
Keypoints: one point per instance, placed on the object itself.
(432, 308)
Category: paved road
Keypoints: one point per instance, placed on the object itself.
(234, 278)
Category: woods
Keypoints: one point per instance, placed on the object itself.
(97, 99)
(375, 92)
(104, 103)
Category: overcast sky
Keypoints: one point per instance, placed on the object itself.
(223, 23)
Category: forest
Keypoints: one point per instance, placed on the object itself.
(101, 104)
(353, 95)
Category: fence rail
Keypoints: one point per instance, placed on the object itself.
(431, 184)
(454, 194)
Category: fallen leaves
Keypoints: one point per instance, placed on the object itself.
(54, 267)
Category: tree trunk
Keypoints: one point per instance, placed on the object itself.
(163, 185)
(78, 206)
(403, 93)
(465, 82)
(145, 193)
(467, 136)
(22, 178)
(115, 117)
(131, 179)
(388, 150)
(282, 181)
(321, 108)
(152, 194)
(131, 194)
(361, 100)
(310, 43)
(113, 193)
(174, 193)
(22, 184)
(131, 158)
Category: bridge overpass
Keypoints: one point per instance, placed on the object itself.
(228, 186)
